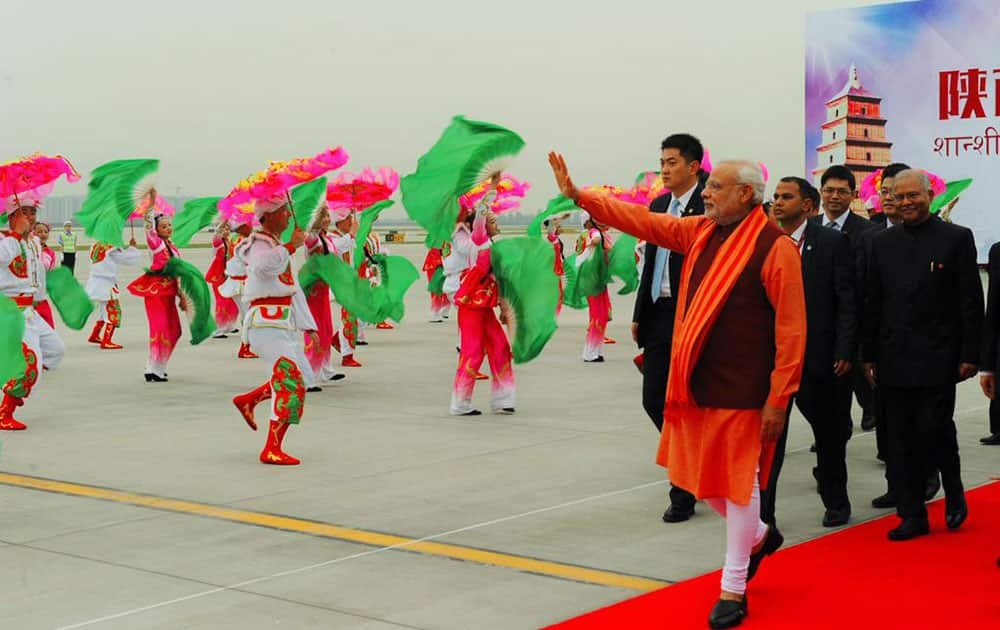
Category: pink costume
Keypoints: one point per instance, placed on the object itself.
(440, 304)
(480, 333)
(226, 309)
(42, 306)
(160, 294)
(319, 244)
(557, 245)
(599, 306)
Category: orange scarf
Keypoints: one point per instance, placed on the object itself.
(693, 323)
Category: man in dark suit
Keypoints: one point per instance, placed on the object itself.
(991, 337)
(838, 188)
(824, 395)
(922, 328)
(653, 316)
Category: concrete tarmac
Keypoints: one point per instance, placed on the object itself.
(165, 519)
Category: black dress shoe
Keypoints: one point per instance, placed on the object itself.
(153, 378)
(836, 518)
(314, 389)
(771, 544)
(991, 440)
(675, 514)
(885, 501)
(868, 423)
(955, 512)
(910, 528)
(474, 412)
(338, 377)
(933, 487)
(727, 613)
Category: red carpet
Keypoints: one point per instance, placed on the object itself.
(855, 578)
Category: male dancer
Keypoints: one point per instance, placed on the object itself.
(102, 288)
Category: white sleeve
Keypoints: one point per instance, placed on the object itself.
(130, 256)
(343, 243)
(301, 312)
(268, 259)
(10, 248)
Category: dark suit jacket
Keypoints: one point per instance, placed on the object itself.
(991, 325)
(831, 300)
(924, 306)
(659, 329)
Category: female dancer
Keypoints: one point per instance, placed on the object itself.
(594, 241)
(162, 296)
(317, 347)
(226, 309)
(48, 257)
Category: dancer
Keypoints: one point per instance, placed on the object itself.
(234, 284)
(319, 242)
(49, 262)
(226, 309)
(345, 340)
(434, 268)
(277, 316)
(595, 241)
(21, 275)
(553, 228)
(481, 333)
(102, 288)
(370, 270)
(161, 295)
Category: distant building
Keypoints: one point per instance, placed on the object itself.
(854, 132)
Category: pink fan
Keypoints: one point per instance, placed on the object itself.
(33, 176)
(871, 188)
(361, 191)
(160, 206)
(509, 192)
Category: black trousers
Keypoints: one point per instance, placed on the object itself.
(656, 369)
(994, 417)
(862, 390)
(826, 405)
(769, 495)
(69, 260)
(922, 432)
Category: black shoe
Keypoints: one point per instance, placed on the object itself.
(361, 343)
(153, 378)
(836, 518)
(675, 514)
(222, 336)
(338, 377)
(597, 360)
(727, 613)
(505, 411)
(910, 528)
(771, 544)
(955, 512)
(474, 412)
(868, 423)
(933, 487)
(314, 389)
(884, 502)
(991, 440)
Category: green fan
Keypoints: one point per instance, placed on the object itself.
(307, 200)
(69, 297)
(196, 293)
(196, 215)
(12, 363)
(115, 189)
(368, 303)
(436, 283)
(467, 153)
(524, 269)
(622, 263)
(557, 205)
(951, 192)
(365, 225)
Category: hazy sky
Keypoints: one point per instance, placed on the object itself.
(217, 88)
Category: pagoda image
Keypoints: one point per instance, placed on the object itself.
(854, 132)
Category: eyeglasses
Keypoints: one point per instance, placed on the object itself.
(843, 192)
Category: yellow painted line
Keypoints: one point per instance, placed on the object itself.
(346, 534)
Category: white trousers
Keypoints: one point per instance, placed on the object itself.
(744, 530)
(43, 341)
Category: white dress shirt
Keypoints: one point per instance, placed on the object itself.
(683, 200)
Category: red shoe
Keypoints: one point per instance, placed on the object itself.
(335, 342)
(609, 340)
(272, 453)
(245, 352)
(348, 361)
(384, 326)
(95, 334)
(481, 377)
(106, 343)
(7, 421)
(247, 402)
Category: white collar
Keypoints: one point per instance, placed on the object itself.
(799, 233)
(684, 199)
(839, 220)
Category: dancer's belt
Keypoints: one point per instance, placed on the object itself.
(23, 301)
(239, 278)
(272, 301)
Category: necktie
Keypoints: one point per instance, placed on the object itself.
(660, 265)
(832, 224)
